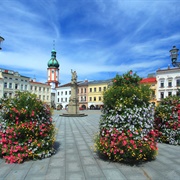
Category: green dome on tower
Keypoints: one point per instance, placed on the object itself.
(53, 61)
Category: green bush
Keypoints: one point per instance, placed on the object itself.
(26, 128)
(126, 125)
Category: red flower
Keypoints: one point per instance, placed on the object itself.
(124, 143)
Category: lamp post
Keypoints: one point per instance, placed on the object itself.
(174, 56)
(1, 39)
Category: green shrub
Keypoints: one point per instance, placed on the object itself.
(26, 128)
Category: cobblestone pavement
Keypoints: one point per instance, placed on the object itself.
(76, 160)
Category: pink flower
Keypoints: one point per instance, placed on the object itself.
(124, 143)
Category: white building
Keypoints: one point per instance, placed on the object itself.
(168, 82)
(11, 82)
(63, 95)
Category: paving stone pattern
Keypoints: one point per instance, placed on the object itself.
(76, 160)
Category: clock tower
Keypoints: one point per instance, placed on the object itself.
(53, 76)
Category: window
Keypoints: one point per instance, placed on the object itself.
(84, 98)
(65, 99)
(25, 87)
(162, 95)
(81, 90)
(5, 94)
(69, 92)
(65, 92)
(43, 97)
(178, 93)
(178, 82)
(99, 98)
(104, 88)
(153, 94)
(39, 96)
(10, 85)
(58, 99)
(21, 79)
(21, 86)
(16, 86)
(94, 98)
(84, 90)
(169, 83)
(39, 88)
(90, 98)
(16, 79)
(47, 89)
(35, 88)
(169, 93)
(90, 90)
(162, 84)
(94, 89)
(99, 89)
(31, 88)
(10, 78)
(5, 85)
(81, 98)
(43, 89)
(58, 93)
(61, 99)
(47, 98)
(61, 93)
(52, 71)
(10, 94)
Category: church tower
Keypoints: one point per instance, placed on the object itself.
(53, 76)
(53, 70)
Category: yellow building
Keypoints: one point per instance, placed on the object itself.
(95, 93)
(153, 86)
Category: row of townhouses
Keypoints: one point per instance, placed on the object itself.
(163, 83)
(90, 94)
(11, 82)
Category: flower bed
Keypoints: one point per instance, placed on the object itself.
(167, 120)
(26, 129)
(126, 126)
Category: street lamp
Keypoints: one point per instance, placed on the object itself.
(174, 56)
(1, 39)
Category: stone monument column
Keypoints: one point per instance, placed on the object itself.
(73, 107)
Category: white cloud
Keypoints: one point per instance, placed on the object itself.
(92, 37)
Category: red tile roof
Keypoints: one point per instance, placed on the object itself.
(148, 80)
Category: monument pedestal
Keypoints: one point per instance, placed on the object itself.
(73, 107)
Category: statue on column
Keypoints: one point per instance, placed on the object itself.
(73, 106)
(74, 77)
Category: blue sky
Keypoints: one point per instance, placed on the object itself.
(97, 38)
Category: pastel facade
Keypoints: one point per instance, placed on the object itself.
(83, 95)
(95, 93)
(152, 82)
(42, 90)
